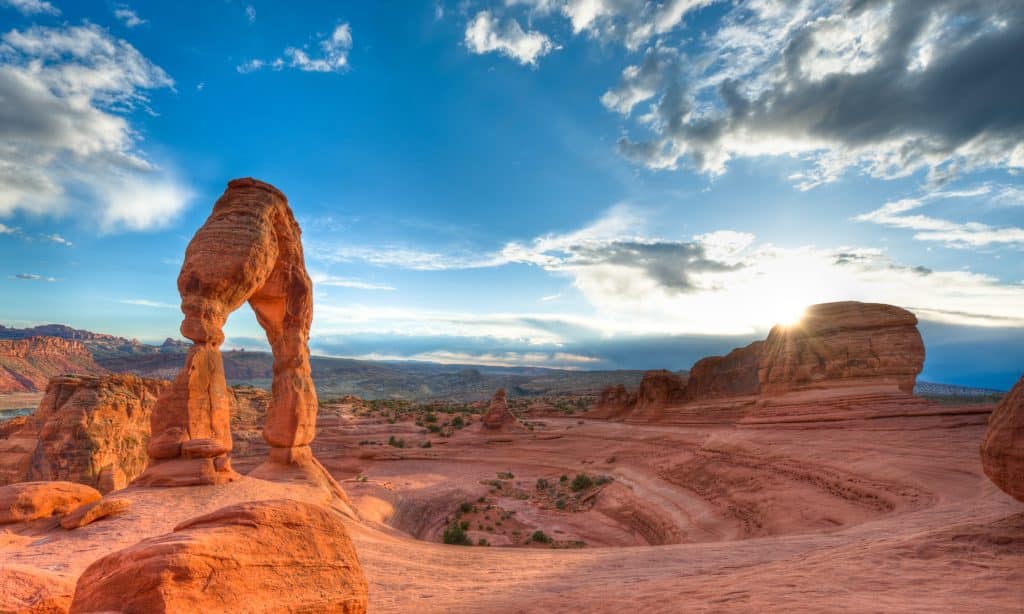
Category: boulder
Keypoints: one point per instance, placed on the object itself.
(263, 556)
(30, 590)
(91, 512)
(1002, 449)
(843, 344)
(33, 500)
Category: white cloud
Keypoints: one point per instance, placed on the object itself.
(31, 7)
(66, 142)
(341, 282)
(717, 283)
(141, 302)
(550, 297)
(485, 34)
(250, 13)
(905, 214)
(128, 17)
(7, 230)
(562, 360)
(331, 55)
(55, 238)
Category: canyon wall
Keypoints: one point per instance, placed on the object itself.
(26, 365)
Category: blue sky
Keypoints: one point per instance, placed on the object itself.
(574, 183)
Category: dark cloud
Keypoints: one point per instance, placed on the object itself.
(941, 89)
(669, 263)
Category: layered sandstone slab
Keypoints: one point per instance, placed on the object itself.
(842, 344)
(33, 500)
(264, 556)
(26, 365)
(1002, 450)
(734, 374)
(89, 430)
(91, 512)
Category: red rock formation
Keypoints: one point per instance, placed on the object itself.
(734, 374)
(1002, 449)
(249, 249)
(32, 500)
(841, 344)
(268, 556)
(30, 590)
(659, 388)
(91, 512)
(614, 402)
(90, 430)
(26, 365)
(498, 415)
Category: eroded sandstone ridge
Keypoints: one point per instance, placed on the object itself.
(249, 249)
(89, 430)
(1002, 450)
(836, 346)
(26, 365)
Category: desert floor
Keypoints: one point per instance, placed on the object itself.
(888, 512)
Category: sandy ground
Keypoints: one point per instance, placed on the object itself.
(886, 512)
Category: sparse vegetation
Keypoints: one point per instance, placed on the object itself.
(455, 535)
(395, 442)
(540, 537)
(582, 481)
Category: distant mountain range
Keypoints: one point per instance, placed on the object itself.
(367, 379)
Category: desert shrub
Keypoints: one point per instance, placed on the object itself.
(396, 443)
(542, 484)
(433, 428)
(426, 444)
(431, 417)
(560, 503)
(540, 537)
(603, 479)
(465, 525)
(456, 536)
(582, 481)
(505, 475)
(466, 507)
(482, 542)
(564, 478)
(457, 422)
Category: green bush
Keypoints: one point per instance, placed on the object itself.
(560, 504)
(582, 481)
(564, 478)
(456, 536)
(540, 537)
(505, 475)
(466, 507)
(396, 443)
(542, 484)
(457, 422)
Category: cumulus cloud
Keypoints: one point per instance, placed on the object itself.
(31, 7)
(66, 142)
(485, 33)
(886, 87)
(633, 22)
(330, 55)
(7, 230)
(128, 16)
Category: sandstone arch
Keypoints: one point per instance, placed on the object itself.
(248, 250)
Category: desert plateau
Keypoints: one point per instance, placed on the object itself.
(511, 306)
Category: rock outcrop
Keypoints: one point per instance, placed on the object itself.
(836, 345)
(498, 415)
(264, 556)
(614, 402)
(840, 344)
(89, 430)
(659, 388)
(91, 512)
(249, 249)
(33, 500)
(1002, 449)
(26, 365)
(734, 374)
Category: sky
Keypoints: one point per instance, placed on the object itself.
(586, 184)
